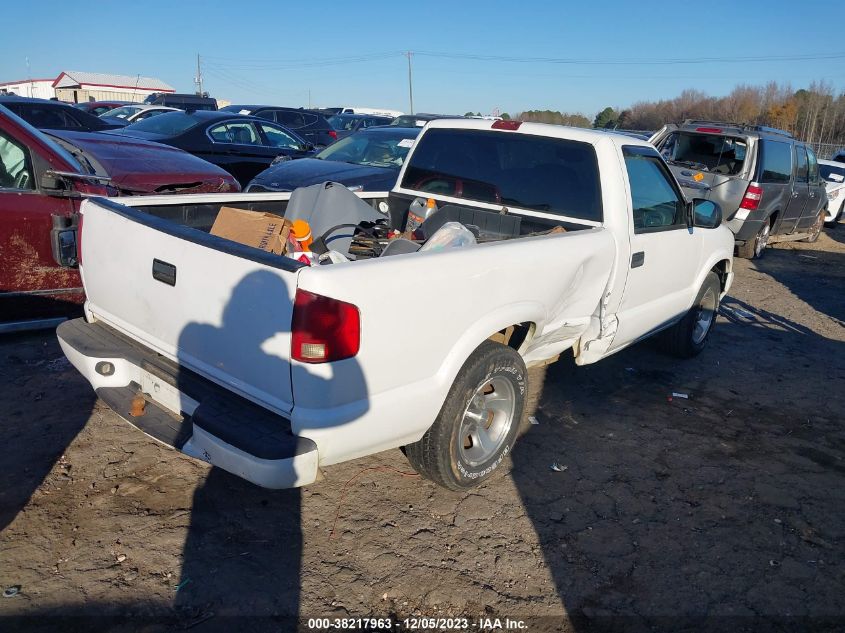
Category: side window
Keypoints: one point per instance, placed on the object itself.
(268, 115)
(776, 164)
(814, 166)
(15, 168)
(293, 120)
(277, 137)
(802, 171)
(656, 203)
(236, 133)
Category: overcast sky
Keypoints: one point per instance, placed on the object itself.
(468, 56)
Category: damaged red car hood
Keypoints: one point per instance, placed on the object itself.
(138, 167)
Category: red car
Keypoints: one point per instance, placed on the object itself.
(43, 179)
(98, 107)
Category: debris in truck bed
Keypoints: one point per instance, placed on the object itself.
(258, 229)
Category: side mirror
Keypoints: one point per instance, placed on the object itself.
(706, 214)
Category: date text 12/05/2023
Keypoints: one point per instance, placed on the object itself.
(417, 623)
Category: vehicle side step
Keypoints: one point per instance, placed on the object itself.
(791, 237)
(156, 421)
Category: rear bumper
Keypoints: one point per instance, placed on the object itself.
(188, 412)
(745, 227)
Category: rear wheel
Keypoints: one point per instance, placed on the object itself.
(688, 336)
(477, 426)
(753, 249)
(816, 229)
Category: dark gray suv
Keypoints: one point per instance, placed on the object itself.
(766, 181)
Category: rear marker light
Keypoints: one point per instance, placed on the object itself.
(333, 134)
(324, 329)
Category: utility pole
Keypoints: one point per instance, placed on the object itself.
(410, 82)
(29, 76)
(309, 98)
(198, 80)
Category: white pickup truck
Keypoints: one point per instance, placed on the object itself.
(272, 369)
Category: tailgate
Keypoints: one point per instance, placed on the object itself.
(214, 306)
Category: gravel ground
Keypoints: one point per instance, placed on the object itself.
(720, 511)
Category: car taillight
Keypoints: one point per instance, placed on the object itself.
(709, 130)
(753, 196)
(79, 240)
(324, 329)
(333, 134)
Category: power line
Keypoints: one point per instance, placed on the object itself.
(739, 59)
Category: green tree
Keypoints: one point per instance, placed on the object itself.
(469, 113)
(506, 116)
(606, 118)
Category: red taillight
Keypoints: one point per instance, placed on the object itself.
(324, 329)
(753, 196)
(79, 240)
(506, 125)
(333, 134)
(709, 130)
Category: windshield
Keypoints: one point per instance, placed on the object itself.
(168, 124)
(408, 120)
(122, 112)
(705, 152)
(346, 123)
(376, 149)
(530, 172)
(832, 173)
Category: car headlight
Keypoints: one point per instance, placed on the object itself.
(831, 195)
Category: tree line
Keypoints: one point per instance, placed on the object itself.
(815, 114)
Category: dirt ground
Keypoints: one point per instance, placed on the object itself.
(681, 514)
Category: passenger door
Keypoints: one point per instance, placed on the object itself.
(239, 149)
(800, 193)
(31, 282)
(665, 251)
(816, 194)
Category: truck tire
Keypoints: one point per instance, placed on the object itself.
(688, 336)
(753, 249)
(816, 229)
(477, 425)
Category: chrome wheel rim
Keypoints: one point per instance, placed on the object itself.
(762, 239)
(704, 316)
(487, 420)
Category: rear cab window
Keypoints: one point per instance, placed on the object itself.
(548, 176)
(721, 154)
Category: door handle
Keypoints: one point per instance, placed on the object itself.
(813, 195)
(794, 194)
(638, 259)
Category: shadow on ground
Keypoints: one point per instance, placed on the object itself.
(674, 513)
